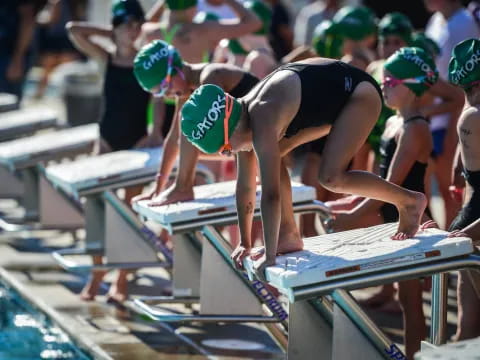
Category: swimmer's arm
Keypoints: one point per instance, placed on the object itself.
(473, 231)
(269, 161)
(453, 100)
(247, 23)
(245, 195)
(170, 148)
(156, 11)
(80, 34)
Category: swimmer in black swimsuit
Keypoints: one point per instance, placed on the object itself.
(405, 148)
(124, 123)
(464, 71)
(298, 103)
(184, 78)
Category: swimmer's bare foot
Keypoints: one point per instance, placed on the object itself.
(289, 240)
(90, 290)
(118, 292)
(410, 216)
(172, 195)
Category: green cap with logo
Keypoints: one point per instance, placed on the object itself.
(397, 24)
(203, 115)
(464, 66)
(422, 41)
(180, 4)
(151, 63)
(204, 16)
(355, 22)
(326, 42)
(124, 10)
(416, 64)
(264, 13)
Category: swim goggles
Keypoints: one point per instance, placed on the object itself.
(226, 148)
(165, 84)
(391, 82)
(470, 85)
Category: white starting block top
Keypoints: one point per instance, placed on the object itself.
(47, 146)
(18, 122)
(464, 350)
(357, 252)
(8, 102)
(92, 174)
(210, 200)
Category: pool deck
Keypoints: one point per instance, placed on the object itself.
(107, 331)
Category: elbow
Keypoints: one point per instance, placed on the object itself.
(254, 24)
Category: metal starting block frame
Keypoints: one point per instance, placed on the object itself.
(112, 229)
(8, 102)
(333, 264)
(19, 160)
(203, 271)
(24, 122)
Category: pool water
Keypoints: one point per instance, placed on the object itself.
(26, 334)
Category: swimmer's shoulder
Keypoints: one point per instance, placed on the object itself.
(470, 118)
(219, 72)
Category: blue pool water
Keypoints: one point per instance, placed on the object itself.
(26, 334)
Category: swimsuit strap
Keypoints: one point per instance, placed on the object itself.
(168, 35)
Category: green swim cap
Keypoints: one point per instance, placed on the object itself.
(355, 22)
(396, 23)
(204, 16)
(236, 48)
(180, 4)
(422, 41)
(464, 66)
(151, 63)
(326, 42)
(203, 115)
(124, 10)
(264, 13)
(411, 62)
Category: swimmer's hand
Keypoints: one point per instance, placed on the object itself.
(457, 233)
(260, 265)
(144, 196)
(238, 255)
(430, 224)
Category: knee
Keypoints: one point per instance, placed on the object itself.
(332, 180)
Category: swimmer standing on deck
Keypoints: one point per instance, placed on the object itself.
(297, 103)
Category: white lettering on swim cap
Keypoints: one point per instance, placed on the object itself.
(419, 62)
(468, 67)
(208, 121)
(156, 56)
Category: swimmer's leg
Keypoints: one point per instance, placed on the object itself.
(348, 134)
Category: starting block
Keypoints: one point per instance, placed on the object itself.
(113, 230)
(19, 159)
(333, 264)
(19, 123)
(8, 102)
(202, 266)
(465, 350)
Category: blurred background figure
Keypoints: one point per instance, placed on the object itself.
(450, 24)
(17, 26)
(281, 32)
(54, 46)
(312, 15)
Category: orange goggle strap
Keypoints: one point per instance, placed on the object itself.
(228, 112)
